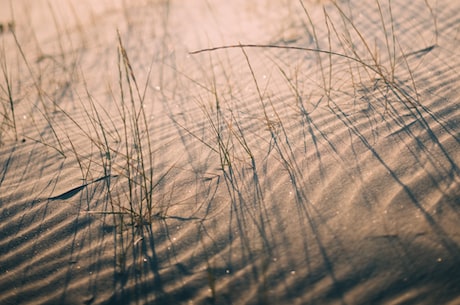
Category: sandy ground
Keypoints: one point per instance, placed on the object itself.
(236, 176)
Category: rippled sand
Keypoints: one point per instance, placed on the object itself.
(278, 176)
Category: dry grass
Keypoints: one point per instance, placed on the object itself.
(124, 158)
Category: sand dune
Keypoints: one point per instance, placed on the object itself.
(135, 172)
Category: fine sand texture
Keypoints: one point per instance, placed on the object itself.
(230, 152)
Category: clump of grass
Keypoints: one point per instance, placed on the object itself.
(125, 153)
(344, 45)
(45, 101)
(227, 138)
(49, 91)
(132, 157)
(139, 163)
(7, 113)
(357, 51)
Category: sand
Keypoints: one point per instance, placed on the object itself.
(246, 175)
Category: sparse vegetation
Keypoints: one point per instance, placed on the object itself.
(113, 143)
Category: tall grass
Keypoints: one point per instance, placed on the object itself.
(126, 153)
(343, 52)
(123, 145)
(8, 116)
(132, 156)
(356, 49)
(138, 152)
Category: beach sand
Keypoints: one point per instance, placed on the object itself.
(134, 171)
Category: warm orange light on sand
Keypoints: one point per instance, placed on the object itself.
(229, 152)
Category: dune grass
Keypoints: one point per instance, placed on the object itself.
(126, 155)
(8, 117)
(346, 53)
(365, 67)
(356, 48)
